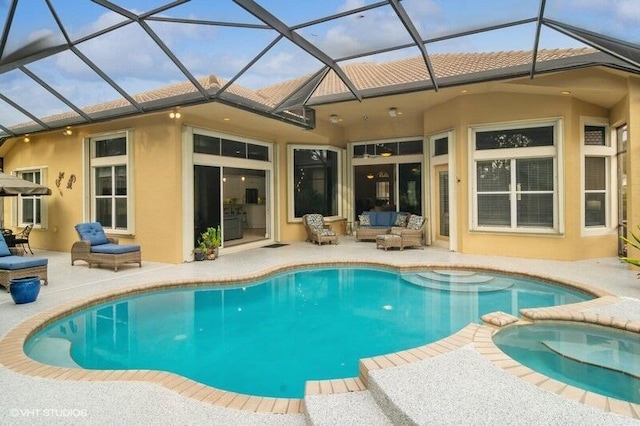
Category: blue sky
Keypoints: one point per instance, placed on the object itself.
(136, 63)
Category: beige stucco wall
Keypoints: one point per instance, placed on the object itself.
(156, 176)
(492, 108)
(157, 169)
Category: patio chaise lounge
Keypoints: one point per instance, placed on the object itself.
(12, 266)
(317, 230)
(96, 249)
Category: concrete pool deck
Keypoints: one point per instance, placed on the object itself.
(460, 385)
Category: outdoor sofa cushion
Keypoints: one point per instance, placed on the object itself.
(110, 248)
(4, 248)
(383, 219)
(13, 263)
(92, 232)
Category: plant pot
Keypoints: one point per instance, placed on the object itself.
(24, 290)
(212, 254)
(198, 255)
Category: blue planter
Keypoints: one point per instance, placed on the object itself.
(24, 290)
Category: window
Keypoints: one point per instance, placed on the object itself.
(314, 175)
(31, 208)
(597, 155)
(514, 169)
(214, 145)
(111, 182)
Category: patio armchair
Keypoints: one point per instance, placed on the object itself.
(96, 248)
(317, 230)
(413, 234)
(22, 238)
(12, 266)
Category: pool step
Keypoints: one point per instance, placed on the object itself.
(348, 408)
(457, 281)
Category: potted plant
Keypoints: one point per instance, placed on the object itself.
(200, 251)
(211, 239)
(25, 289)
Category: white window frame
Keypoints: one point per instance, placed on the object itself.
(120, 160)
(608, 152)
(291, 185)
(552, 151)
(43, 203)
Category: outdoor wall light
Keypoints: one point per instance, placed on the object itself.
(393, 112)
(67, 131)
(175, 114)
(370, 175)
(26, 138)
(335, 119)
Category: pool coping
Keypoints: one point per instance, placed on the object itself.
(14, 358)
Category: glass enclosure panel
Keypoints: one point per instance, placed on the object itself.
(366, 185)
(410, 147)
(410, 188)
(441, 146)
(515, 138)
(28, 213)
(206, 144)
(121, 213)
(111, 147)
(206, 200)
(244, 208)
(534, 174)
(234, 149)
(121, 180)
(595, 173)
(441, 17)
(104, 211)
(315, 176)
(257, 152)
(104, 181)
(494, 210)
(493, 175)
(443, 203)
(535, 210)
(594, 209)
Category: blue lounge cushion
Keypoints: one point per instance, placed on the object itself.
(110, 248)
(92, 232)
(4, 249)
(13, 262)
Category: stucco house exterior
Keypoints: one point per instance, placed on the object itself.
(501, 164)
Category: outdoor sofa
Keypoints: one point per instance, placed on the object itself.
(371, 224)
(408, 227)
(96, 248)
(12, 266)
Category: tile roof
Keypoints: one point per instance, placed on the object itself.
(364, 75)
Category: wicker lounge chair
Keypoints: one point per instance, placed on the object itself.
(413, 234)
(317, 230)
(12, 266)
(96, 249)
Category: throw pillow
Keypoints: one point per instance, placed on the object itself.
(401, 220)
(365, 220)
(415, 222)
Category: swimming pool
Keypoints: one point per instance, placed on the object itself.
(269, 337)
(594, 358)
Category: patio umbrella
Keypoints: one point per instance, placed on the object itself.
(13, 186)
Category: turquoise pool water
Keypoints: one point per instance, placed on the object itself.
(268, 338)
(594, 358)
